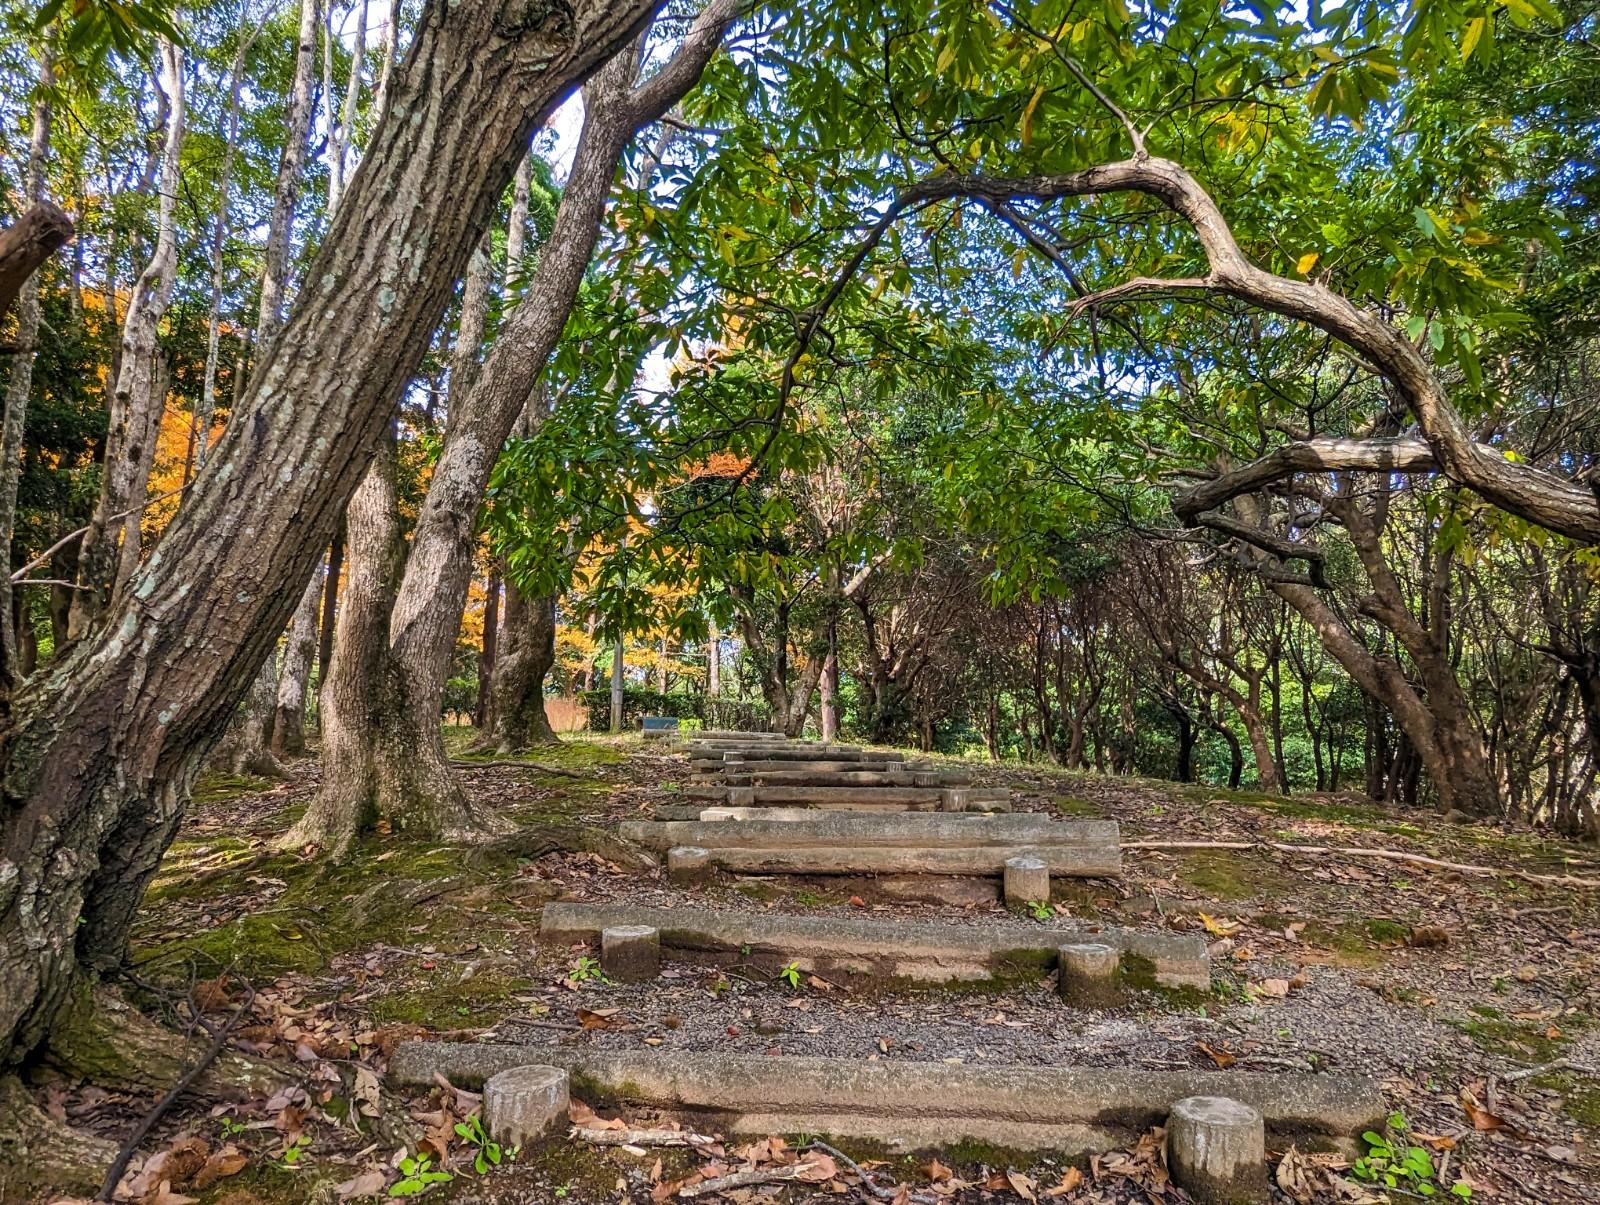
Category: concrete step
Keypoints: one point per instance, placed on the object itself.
(821, 766)
(864, 800)
(908, 1105)
(842, 778)
(794, 751)
(892, 844)
(905, 830)
(727, 736)
(916, 951)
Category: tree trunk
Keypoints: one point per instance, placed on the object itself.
(518, 719)
(830, 683)
(30, 241)
(133, 395)
(432, 594)
(98, 755)
(206, 406)
(347, 802)
(486, 656)
(714, 662)
(294, 678)
(330, 605)
(286, 191)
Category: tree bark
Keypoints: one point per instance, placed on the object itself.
(488, 651)
(294, 676)
(518, 720)
(432, 593)
(98, 755)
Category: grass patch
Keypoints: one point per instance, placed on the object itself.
(450, 1003)
(1225, 874)
(214, 787)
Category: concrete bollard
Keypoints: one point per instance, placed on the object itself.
(954, 799)
(524, 1103)
(741, 797)
(1027, 879)
(631, 953)
(1087, 975)
(688, 865)
(1216, 1151)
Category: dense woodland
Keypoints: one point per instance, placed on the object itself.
(1184, 392)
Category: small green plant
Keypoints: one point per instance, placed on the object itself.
(587, 970)
(1041, 910)
(1393, 1162)
(417, 1174)
(294, 1153)
(489, 1152)
(231, 1128)
(791, 975)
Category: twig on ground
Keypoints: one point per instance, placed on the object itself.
(1386, 855)
(746, 1179)
(1553, 1065)
(882, 1194)
(120, 1165)
(599, 1137)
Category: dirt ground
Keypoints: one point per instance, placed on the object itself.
(1473, 997)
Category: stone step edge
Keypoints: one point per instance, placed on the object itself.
(794, 1093)
(925, 951)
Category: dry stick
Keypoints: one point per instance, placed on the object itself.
(1388, 855)
(599, 1137)
(1553, 1065)
(19, 577)
(882, 1194)
(114, 1175)
(775, 1175)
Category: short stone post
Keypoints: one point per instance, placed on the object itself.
(1087, 975)
(1216, 1151)
(630, 953)
(741, 797)
(688, 865)
(954, 799)
(1027, 879)
(524, 1103)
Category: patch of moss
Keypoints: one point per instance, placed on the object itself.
(1382, 929)
(1067, 805)
(448, 1003)
(259, 945)
(1137, 973)
(213, 787)
(1520, 1040)
(1230, 875)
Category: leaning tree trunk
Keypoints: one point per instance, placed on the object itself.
(97, 755)
(517, 718)
(414, 772)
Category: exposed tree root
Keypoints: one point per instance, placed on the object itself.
(536, 840)
(38, 1152)
(104, 1039)
(1386, 855)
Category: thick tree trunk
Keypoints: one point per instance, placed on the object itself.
(348, 800)
(98, 754)
(294, 677)
(517, 716)
(330, 604)
(432, 594)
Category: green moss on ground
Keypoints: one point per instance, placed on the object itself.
(1523, 1041)
(447, 1002)
(1226, 874)
(1067, 805)
(213, 787)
